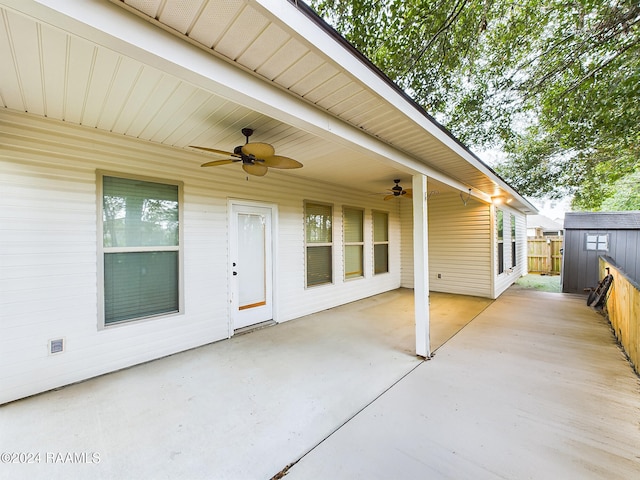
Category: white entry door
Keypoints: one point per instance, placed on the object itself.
(251, 255)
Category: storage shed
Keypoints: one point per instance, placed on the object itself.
(589, 235)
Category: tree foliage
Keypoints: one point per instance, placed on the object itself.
(554, 84)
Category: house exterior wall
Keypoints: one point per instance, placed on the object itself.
(49, 247)
(463, 246)
(511, 272)
(459, 245)
(580, 267)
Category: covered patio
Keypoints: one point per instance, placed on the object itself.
(531, 385)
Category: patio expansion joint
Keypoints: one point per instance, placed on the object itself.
(286, 469)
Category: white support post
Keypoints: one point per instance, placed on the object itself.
(421, 265)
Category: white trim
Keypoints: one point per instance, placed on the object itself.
(331, 244)
(273, 207)
(100, 249)
(421, 266)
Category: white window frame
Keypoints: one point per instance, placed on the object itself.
(374, 242)
(500, 214)
(596, 242)
(101, 250)
(514, 241)
(346, 244)
(308, 245)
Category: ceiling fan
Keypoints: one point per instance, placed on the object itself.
(398, 191)
(256, 157)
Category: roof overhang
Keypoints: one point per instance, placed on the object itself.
(190, 73)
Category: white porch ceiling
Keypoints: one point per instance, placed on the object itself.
(56, 69)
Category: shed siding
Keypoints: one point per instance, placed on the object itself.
(48, 250)
(459, 245)
(580, 269)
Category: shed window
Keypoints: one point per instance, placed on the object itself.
(140, 248)
(319, 243)
(353, 220)
(380, 242)
(596, 241)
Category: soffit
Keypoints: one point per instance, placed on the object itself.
(58, 74)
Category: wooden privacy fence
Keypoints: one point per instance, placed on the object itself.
(623, 310)
(544, 254)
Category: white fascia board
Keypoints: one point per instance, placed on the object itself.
(112, 27)
(290, 16)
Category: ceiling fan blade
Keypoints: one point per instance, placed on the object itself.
(214, 150)
(277, 161)
(258, 150)
(408, 191)
(408, 194)
(215, 163)
(256, 169)
(389, 197)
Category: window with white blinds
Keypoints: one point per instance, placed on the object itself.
(140, 248)
(380, 242)
(514, 253)
(500, 229)
(319, 243)
(353, 220)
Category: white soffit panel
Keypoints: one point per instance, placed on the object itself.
(25, 44)
(290, 53)
(314, 79)
(265, 46)
(139, 95)
(54, 66)
(212, 24)
(244, 31)
(148, 7)
(80, 60)
(105, 88)
(301, 68)
(180, 15)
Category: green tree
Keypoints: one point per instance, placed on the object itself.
(555, 84)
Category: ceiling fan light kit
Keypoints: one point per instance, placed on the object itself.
(256, 157)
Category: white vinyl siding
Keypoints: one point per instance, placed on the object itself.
(49, 242)
(459, 245)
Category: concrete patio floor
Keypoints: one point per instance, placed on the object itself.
(533, 387)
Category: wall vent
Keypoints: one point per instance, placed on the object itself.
(56, 346)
